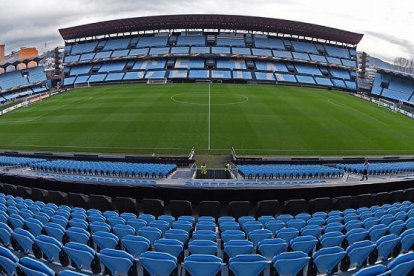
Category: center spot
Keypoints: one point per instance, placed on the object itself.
(194, 98)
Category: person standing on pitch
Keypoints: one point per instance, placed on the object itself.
(365, 171)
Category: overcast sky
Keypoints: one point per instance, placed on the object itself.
(388, 25)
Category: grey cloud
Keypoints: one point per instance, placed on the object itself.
(407, 46)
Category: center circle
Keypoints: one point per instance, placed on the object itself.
(194, 98)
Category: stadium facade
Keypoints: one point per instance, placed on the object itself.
(210, 47)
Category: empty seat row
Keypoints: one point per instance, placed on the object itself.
(324, 260)
(288, 171)
(208, 208)
(106, 168)
(379, 168)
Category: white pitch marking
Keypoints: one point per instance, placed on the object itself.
(244, 99)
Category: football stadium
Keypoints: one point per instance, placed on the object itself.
(205, 144)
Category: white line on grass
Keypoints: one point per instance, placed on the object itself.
(242, 97)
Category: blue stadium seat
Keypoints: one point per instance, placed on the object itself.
(304, 244)
(151, 233)
(326, 260)
(137, 223)
(22, 239)
(275, 225)
(229, 235)
(205, 235)
(70, 273)
(99, 226)
(259, 234)
(171, 246)
(374, 270)
(169, 219)
(78, 235)
(332, 239)
(356, 235)
(358, 253)
(287, 234)
(402, 265)
(311, 230)
(183, 225)
(177, 234)
(29, 266)
(206, 225)
(8, 261)
(5, 234)
(242, 265)
(121, 230)
(234, 248)
(229, 225)
(202, 265)
(160, 224)
(49, 246)
(82, 256)
(158, 263)
(407, 240)
(135, 245)
(386, 245)
(205, 247)
(105, 240)
(272, 247)
(290, 263)
(117, 261)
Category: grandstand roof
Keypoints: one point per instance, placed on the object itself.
(396, 73)
(211, 21)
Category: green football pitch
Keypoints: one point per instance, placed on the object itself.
(172, 118)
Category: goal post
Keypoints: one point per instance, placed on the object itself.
(157, 81)
(81, 85)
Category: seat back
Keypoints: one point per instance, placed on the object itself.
(202, 265)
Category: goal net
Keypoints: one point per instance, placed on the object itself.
(157, 81)
(388, 104)
(81, 85)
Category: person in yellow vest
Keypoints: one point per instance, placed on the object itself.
(203, 171)
(228, 168)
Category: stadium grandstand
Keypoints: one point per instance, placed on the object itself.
(108, 175)
(269, 51)
(22, 83)
(396, 86)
